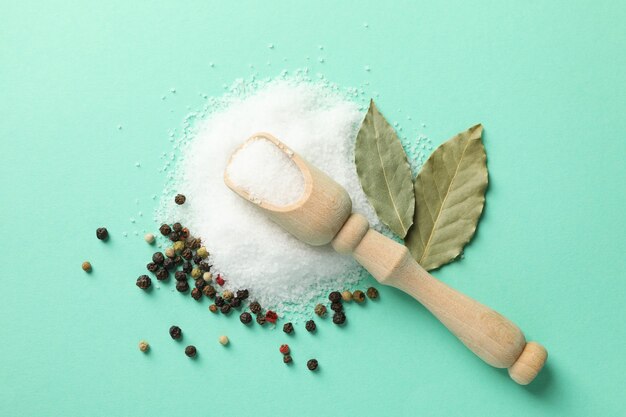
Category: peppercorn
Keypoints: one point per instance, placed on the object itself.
(271, 316)
(209, 291)
(184, 233)
(187, 267)
(310, 326)
(158, 258)
(180, 276)
(220, 281)
(260, 319)
(242, 294)
(204, 266)
(191, 351)
(235, 302)
(334, 297)
(336, 307)
(200, 283)
(202, 252)
(177, 227)
(193, 243)
(197, 260)
(288, 328)
(320, 310)
(149, 238)
(144, 282)
(152, 267)
(177, 260)
(339, 317)
(144, 346)
(372, 293)
(86, 266)
(245, 317)
(207, 277)
(196, 294)
(223, 340)
(312, 364)
(213, 308)
(178, 246)
(284, 349)
(174, 236)
(255, 307)
(358, 296)
(168, 263)
(219, 301)
(196, 273)
(180, 199)
(225, 309)
(346, 296)
(175, 332)
(187, 254)
(102, 233)
(182, 286)
(227, 295)
(165, 229)
(162, 274)
(170, 252)
(287, 359)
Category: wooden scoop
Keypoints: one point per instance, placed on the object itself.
(324, 215)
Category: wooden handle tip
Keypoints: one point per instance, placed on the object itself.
(529, 363)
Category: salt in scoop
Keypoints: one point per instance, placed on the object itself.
(322, 214)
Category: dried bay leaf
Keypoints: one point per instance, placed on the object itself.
(449, 197)
(384, 172)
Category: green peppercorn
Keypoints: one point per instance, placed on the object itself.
(202, 252)
(334, 297)
(255, 307)
(180, 199)
(196, 294)
(346, 296)
(288, 328)
(310, 326)
(178, 246)
(86, 266)
(372, 293)
(102, 233)
(182, 286)
(162, 274)
(358, 296)
(191, 351)
(165, 229)
(339, 317)
(312, 364)
(320, 310)
(144, 282)
(196, 273)
(245, 317)
(213, 308)
(176, 332)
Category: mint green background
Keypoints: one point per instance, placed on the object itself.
(547, 80)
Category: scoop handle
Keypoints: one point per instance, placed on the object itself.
(492, 337)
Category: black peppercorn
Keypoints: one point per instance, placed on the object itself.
(168, 263)
(339, 317)
(260, 319)
(225, 309)
(182, 286)
(334, 297)
(152, 267)
(219, 301)
(288, 328)
(144, 282)
(255, 307)
(165, 229)
(310, 326)
(235, 302)
(184, 233)
(177, 227)
(187, 267)
(187, 254)
(336, 307)
(213, 308)
(312, 364)
(162, 274)
(191, 351)
(174, 237)
(372, 293)
(358, 296)
(209, 291)
(158, 258)
(180, 199)
(245, 317)
(204, 266)
(196, 294)
(193, 243)
(180, 276)
(178, 260)
(287, 359)
(200, 283)
(102, 233)
(197, 260)
(175, 332)
(242, 294)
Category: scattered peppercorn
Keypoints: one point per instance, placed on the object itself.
(227, 295)
(175, 332)
(170, 252)
(196, 294)
(187, 267)
(310, 326)
(288, 328)
(372, 293)
(358, 296)
(177, 227)
(255, 307)
(209, 291)
(102, 233)
(144, 346)
(213, 308)
(180, 276)
(193, 243)
(245, 317)
(225, 309)
(196, 273)
(223, 340)
(200, 283)
(202, 252)
(336, 307)
(144, 282)
(184, 233)
(158, 258)
(191, 351)
(204, 266)
(220, 281)
(174, 236)
(346, 296)
(180, 199)
(182, 286)
(271, 316)
(165, 229)
(149, 238)
(162, 274)
(152, 267)
(168, 263)
(178, 246)
(339, 317)
(178, 260)
(312, 364)
(219, 301)
(86, 266)
(207, 277)
(320, 310)
(242, 294)
(284, 349)
(287, 359)
(334, 297)
(260, 319)
(235, 302)
(187, 254)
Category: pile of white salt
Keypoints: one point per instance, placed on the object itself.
(249, 250)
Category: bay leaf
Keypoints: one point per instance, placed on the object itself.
(384, 172)
(449, 197)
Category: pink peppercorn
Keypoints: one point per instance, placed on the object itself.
(284, 349)
(220, 281)
(271, 316)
